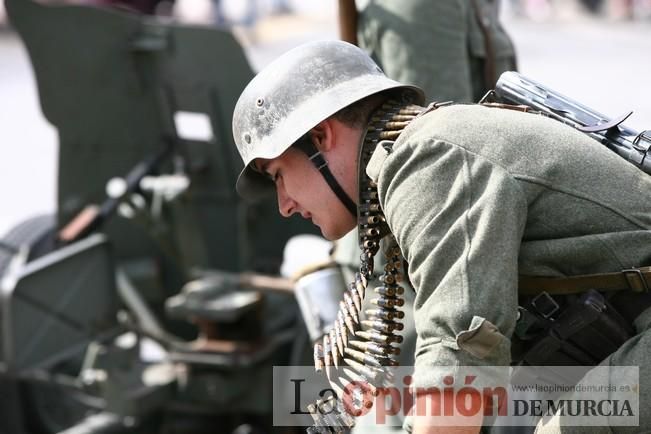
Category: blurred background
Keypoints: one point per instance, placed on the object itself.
(596, 51)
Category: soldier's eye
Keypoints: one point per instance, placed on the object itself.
(269, 176)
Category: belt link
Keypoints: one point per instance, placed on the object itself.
(545, 305)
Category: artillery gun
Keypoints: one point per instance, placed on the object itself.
(127, 311)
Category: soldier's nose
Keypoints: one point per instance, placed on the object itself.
(286, 206)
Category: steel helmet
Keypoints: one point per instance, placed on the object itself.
(293, 94)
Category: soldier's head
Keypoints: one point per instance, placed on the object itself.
(298, 126)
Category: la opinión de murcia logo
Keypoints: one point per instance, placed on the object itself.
(572, 407)
(359, 397)
(463, 398)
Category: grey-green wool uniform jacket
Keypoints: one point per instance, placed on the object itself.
(476, 196)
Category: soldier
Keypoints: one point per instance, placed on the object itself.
(475, 197)
(471, 48)
(465, 36)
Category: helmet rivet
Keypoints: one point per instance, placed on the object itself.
(247, 138)
(259, 102)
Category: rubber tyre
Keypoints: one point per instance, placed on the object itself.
(37, 232)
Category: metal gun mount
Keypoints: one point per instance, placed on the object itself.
(514, 88)
(121, 88)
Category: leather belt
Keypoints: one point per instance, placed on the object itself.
(631, 279)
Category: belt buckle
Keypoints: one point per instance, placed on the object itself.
(633, 275)
(545, 304)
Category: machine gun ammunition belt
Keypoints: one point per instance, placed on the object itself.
(357, 348)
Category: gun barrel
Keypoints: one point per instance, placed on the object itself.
(514, 88)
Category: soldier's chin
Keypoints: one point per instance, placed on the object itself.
(334, 233)
(325, 232)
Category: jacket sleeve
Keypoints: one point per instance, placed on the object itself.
(459, 220)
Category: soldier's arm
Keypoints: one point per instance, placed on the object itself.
(433, 425)
(459, 220)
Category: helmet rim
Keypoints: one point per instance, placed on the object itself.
(271, 114)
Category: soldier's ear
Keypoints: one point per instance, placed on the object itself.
(323, 135)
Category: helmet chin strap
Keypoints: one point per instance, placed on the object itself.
(305, 144)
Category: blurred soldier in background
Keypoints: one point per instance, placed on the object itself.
(453, 50)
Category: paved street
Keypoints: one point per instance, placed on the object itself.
(602, 63)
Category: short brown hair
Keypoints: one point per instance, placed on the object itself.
(357, 114)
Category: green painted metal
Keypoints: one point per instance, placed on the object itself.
(111, 83)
